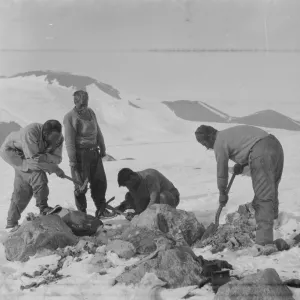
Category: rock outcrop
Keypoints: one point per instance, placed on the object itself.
(236, 234)
(179, 224)
(43, 232)
(264, 285)
(176, 266)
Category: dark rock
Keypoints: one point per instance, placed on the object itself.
(175, 266)
(264, 285)
(44, 232)
(108, 157)
(182, 226)
(297, 238)
(281, 245)
(80, 223)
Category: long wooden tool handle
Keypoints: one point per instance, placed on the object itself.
(71, 179)
(230, 183)
(218, 213)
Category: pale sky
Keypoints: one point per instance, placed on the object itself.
(144, 24)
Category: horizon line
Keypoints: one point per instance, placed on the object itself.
(157, 50)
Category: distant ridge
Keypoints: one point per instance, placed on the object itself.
(199, 111)
(194, 111)
(70, 80)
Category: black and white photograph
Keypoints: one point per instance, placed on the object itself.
(149, 149)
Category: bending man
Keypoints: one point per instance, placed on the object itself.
(248, 145)
(146, 187)
(32, 151)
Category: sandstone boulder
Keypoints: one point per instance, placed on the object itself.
(122, 248)
(179, 224)
(238, 232)
(264, 285)
(43, 232)
(177, 267)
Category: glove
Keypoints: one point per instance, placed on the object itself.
(102, 154)
(223, 199)
(238, 169)
(60, 173)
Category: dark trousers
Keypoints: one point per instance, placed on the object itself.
(90, 166)
(26, 185)
(266, 162)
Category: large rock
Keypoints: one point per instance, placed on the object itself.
(265, 285)
(177, 267)
(144, 239)
(44, 232)
(179, 224)
(122, 248)
(238, 232)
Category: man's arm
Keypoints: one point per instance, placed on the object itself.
(222, 158)
(100, 138)
(126, 204)
(70, 135)
(56, 156)
(154, 189)
(30, 149)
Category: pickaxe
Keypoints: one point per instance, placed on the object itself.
(114, 209)
(81, 186)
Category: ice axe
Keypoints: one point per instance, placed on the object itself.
(114, 209)
(82, 187)
(212, 228)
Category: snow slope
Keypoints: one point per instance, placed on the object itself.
(169, 146)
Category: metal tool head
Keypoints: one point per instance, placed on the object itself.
(84, 186)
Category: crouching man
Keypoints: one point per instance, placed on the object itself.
(146, 187)
(32, 151)
(249, 145)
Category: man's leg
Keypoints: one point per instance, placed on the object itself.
(20, 198)
(265, 169)
(39, 184)
(168, 198)
(80, 174)
(98, 183)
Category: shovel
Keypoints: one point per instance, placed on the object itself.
(212, 228)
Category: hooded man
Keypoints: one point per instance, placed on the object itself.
(249, 145)
(146, 188)
(86, 148)
(32, 151)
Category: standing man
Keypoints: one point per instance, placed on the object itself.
(145, 188)
(248, 145)
(83, 140)
(32, 151)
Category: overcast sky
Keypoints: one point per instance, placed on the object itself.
(144, 24)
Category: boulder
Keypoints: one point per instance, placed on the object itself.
(281, 244)
(238, 232)
(182, 226)
(144, 239)
(80, 223)
(177, 267)
(264, 285)
(44, 232)
(122, 248)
